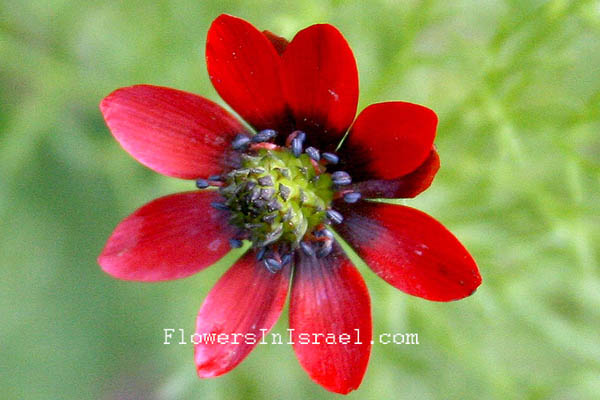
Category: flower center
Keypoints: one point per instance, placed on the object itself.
(276, 196)
(280, 197)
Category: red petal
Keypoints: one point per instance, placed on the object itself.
(244, 304)
(173, 132)
(280, 43)
(407, 186)
(389, 140)
(246, 71)
(169, 238)
(329, 299)
(410, 250)
(321, 84)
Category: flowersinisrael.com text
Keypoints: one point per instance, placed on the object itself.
(178, 336)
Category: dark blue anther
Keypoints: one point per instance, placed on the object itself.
(240, 141)
(313, 153)
(324, 233)
(307, 249)
(352, 197)
(202, 184)
(334, 216)
(264, 135)
(296, 147)
(219, 206)
(260, 253)
(272, 264)
(286, 259)
(330, 158)
(266, 180)
(325, 249)
(284, 191)
(235, 243)
(341, 178)
(215, 178)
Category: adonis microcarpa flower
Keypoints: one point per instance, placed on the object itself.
(285, 185)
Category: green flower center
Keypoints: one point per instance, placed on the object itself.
(277, 197)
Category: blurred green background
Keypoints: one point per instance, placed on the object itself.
(516, 85)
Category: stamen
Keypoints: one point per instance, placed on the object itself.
(341, 178)
(219, 206)
(286, 259)
(272, 265)
(334, 216)
(240, 141)
(330, 158)
(235, 243)
(313, 153)
(307, 249)
(264, 135)
(261, 253)
(217, 178)
(325, 249)
(296, 147)
(323, 234)
(202, 184)
(352, 197)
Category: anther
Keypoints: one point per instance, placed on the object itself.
(313, 153)
(264, 135)
(235, 243)
(272, 264)
(286, 259)
(341, 178)
(325, 249)
(202, 184)
(261, 253)
(269, 218)
(296, 147)
(334, 216)
(324, 233)
(215, 178)
(307, 249)
(240, 141)
(352, 197)
(219, 206)
(266, 180)
(330, 158)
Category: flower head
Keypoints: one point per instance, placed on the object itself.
(285, 186)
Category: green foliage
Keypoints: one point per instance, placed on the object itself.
(517, 90)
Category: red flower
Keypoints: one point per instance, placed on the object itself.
(282, 189)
